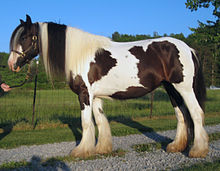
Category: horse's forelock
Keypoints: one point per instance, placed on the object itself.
(15, 37)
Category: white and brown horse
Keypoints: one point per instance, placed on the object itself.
(96, 67)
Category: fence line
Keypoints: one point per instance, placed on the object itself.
(51, 105)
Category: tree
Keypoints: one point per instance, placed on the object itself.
(116, 36)
(193, 5)
(209, 35)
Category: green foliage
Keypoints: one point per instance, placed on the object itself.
(3, 58)
(206, 40)
(8, 76)
(193, 5)
(128, 38)
(206, 37)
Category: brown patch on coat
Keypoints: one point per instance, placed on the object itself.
(131, 92)
(160, 62)
(103, 63)
(78, 86)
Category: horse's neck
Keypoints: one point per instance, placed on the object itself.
(81, 48)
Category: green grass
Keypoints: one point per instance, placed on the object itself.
(30, 137)
(51, 105)
(58, 116)
(61, 105)
(14, 165)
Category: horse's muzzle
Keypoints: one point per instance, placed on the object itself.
(16, 68)
(19, 64)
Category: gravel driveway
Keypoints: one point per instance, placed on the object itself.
(156, 160)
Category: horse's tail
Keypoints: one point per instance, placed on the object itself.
(198, 81)
(199, 90)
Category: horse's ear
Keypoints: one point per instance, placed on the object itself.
(22, 22)
(28, 20)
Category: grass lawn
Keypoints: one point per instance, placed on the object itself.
(58, 116)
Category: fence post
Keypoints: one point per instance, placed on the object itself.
(151, 104)
(35, 91)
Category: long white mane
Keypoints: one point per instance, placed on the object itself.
(80, 48)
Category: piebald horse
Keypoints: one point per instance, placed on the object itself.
(95, 67)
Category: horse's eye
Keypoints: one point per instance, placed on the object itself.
(23, 38)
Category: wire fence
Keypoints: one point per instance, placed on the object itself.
(61, 105)
(54, 104)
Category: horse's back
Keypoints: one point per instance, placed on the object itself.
(139, 67)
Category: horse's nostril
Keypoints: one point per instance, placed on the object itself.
(15, 67)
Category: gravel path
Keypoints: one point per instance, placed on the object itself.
(156, 160)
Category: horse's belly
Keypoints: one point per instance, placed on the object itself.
(120, 79)
(131, 92)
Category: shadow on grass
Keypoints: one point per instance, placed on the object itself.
(74, 124)
(8, 126)
(147, 131)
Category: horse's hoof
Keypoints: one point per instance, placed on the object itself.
(81, 153)
(176, 147)
(103, 149)
(198, 153)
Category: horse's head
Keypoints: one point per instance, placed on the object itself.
(24, 44)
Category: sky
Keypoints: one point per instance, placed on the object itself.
(103, 17)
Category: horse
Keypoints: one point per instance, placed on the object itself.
(96, 67)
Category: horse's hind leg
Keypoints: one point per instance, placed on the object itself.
(104, 144)
(180, 142)
(200, 147)
(181, 139)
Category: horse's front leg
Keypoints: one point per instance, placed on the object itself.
(87, 144)
(104, 144)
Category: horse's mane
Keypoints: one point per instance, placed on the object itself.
(80, 48)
